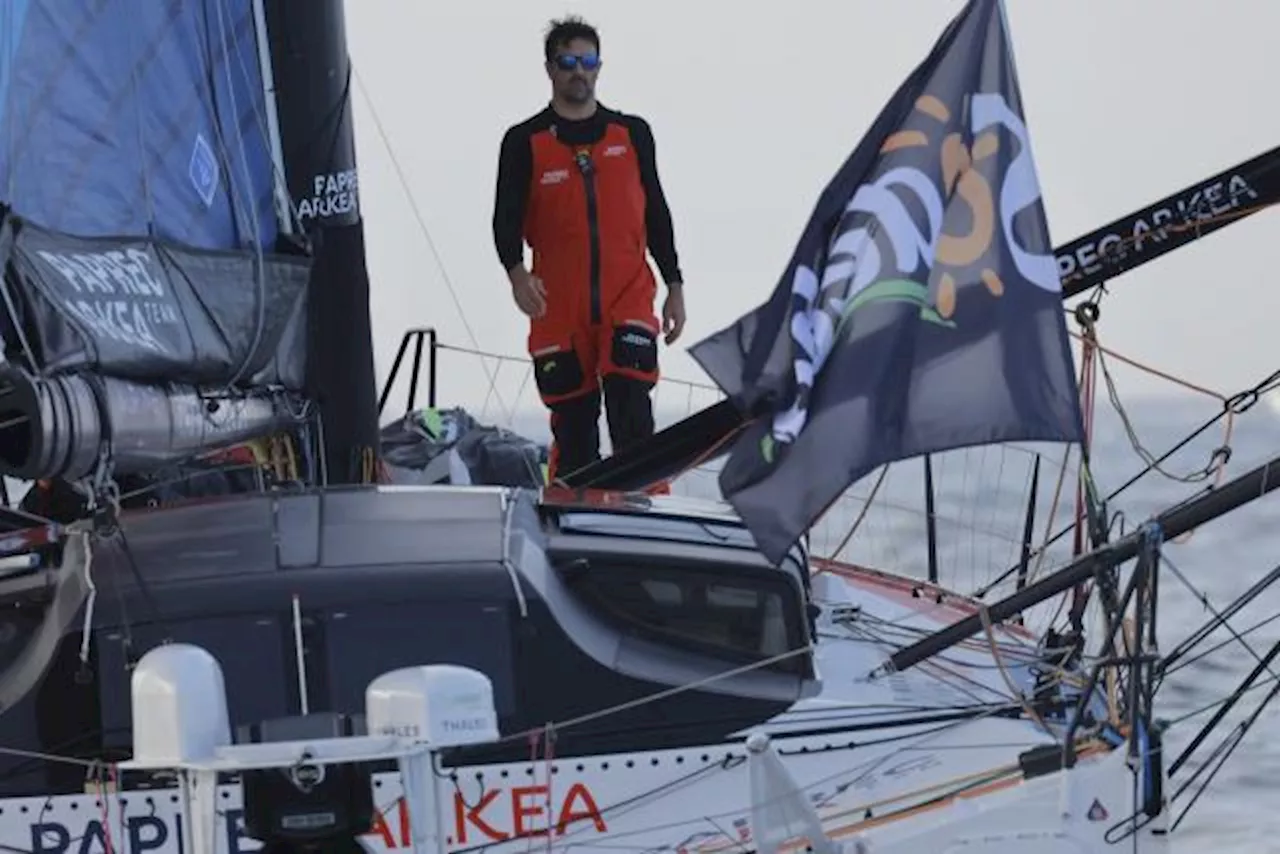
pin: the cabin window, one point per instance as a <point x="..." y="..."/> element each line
<point x="365" y="641"/>
<point x="726" y="613"/>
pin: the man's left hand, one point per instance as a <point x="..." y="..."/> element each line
<point x="673" y="313"/>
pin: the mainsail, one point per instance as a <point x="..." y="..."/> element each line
<point x="179" y="237"/>
<point x="156" y="300"/>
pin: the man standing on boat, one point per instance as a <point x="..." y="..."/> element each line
<point x="579" y="182"/>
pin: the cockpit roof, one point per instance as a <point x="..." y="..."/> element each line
<point x="708" y="510"/>
<point x="652" y="517"/>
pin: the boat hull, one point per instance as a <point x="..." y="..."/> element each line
<point x="923" y="793"/>
<point x="899" y="758"/>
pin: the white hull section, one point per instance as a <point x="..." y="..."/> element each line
<point x="938" y="797"/>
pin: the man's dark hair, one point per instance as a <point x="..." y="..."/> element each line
<point x="560" y="33"/>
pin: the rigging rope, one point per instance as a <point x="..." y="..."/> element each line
<point x="857" y="521"/>
<point x="1217" y="463"/>
<point x="1207" y="707"/>
<point x="1004" y="671"/>
<point x="431" y="244"/>
<point x="1224" y="621"/>
<point x="1236" y="404"/>
<point x="1211" y="650"/>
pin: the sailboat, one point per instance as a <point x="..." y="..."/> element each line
<point x="189" y="369"/>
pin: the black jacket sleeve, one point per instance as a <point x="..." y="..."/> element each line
<point x="515" y="165"/>
<point x="662" y="240"/>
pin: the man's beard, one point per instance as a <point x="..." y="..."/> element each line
<point x="577" y="91"/>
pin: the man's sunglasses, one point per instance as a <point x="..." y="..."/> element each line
<point x="570" y="61"/>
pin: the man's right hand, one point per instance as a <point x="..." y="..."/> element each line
<point x="529" y="292"/>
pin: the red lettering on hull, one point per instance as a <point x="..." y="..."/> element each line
<point x="382" y="829"/>
<point x="528" y="810"/>
<point x="497" y="815"/>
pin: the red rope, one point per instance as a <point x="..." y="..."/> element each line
<point x="104" y="792"/>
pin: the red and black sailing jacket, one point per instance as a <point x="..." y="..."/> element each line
<point x="585" y="195"/>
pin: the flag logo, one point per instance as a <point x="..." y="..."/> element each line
<point x="894" y="242"/>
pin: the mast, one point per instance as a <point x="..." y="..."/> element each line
<point x="312" y="75"/>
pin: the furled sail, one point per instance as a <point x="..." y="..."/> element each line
<point x="150" y="309"/>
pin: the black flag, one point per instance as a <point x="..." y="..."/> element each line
<point x="921" y="310"/>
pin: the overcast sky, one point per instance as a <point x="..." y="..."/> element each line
<point x="755" y="105"/>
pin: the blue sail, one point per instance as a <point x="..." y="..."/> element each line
<point x="145" y="291"/>
<point x="137" y="118"/>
